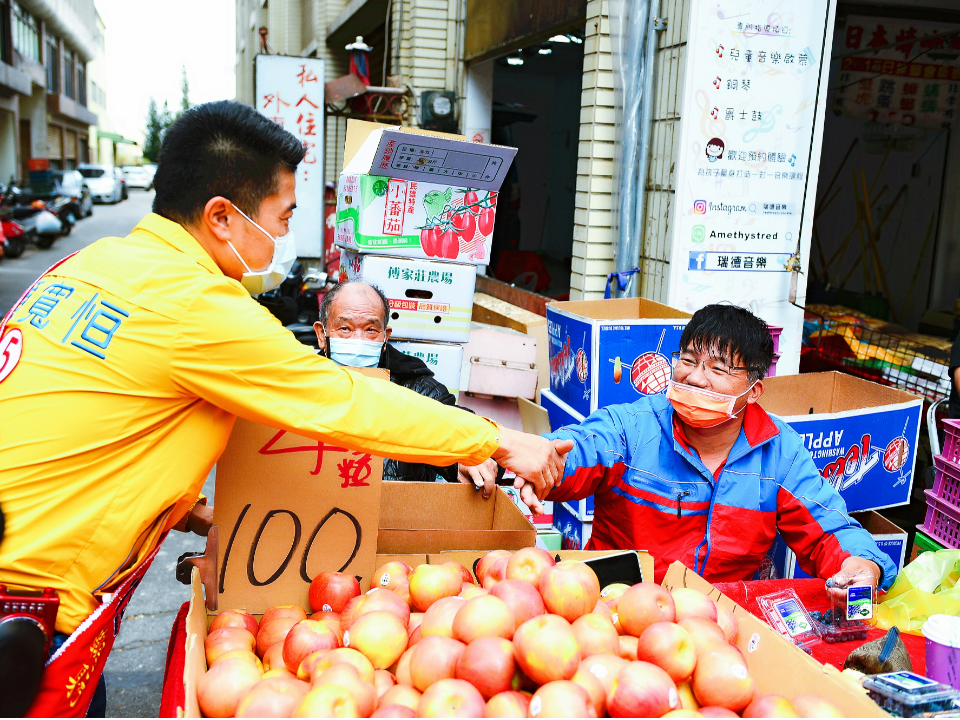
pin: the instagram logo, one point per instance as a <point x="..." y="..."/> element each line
<point x="699" y="207"/>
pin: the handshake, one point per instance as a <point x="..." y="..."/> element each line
<point x="537" y="462"/>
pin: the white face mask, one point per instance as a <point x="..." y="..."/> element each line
<point x="354" y="352"/>
<point x="284" y="255"/>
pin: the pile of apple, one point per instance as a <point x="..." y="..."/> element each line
<point x="535" y="638"/>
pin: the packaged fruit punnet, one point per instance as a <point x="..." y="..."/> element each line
<point x="787" y="615"/>
<point x="906" y="694"/>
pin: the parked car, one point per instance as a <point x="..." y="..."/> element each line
<point x="123" y="182"/>
<point x="137" y="177"/>
<point x="103" y="182"/>
<point x="151" y="170"/>
<point x="71" y="184"/>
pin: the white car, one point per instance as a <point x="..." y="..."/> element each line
<point x="103" y="182"/>
<point x="137" y="177"/>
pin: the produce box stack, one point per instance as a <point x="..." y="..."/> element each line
<point x="415" y="216"/>
<point x="942" y="523"/>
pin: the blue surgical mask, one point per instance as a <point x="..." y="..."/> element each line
<point x="354" y="352"/>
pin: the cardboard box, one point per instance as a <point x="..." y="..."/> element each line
<point x="575" y="532"/>
<point x="397" y="184"/>
<point x="429" y="300"/>
<point x="494" y="311"/>
<point x="776" y="664"/>
<point x="444" y="359"/>
<point x="499" y="362"/>
<point x="604" y="352"/>
<point x="862" y="436"/>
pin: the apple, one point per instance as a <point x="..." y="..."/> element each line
<point x="273" y="658"/>
<point x="394" y="711"/>
<point x="470" y="591"/>
<point x="307" y="636"/>
<point x="669" y="647"/>
<point x="439" y="617"/>
<point x="604" y="667"/>
<point x="706" y="634"/>
<point x="641" y="689"/>
<point x="465" y="574"/>
<point x="402" y="668"/>
<point x="280" y="672"/>
<point x="332" y="621"/>
<point x="613" y="591"/>
<point x="226" y="639"/>
<point x="429" y="583"/>
<point x="495" y="573"/>
<point x="415" y="636"/>
<point x="272" y="697"/>
<point x="728" y="623"/>
<point x="330" y="591"/>
<point x="346" y="676"/>
<point x="528" y="564"/>
<point x="681" y="713"/>
<point x="510" y="704"/>
<point x="451" y="698"/>
<point x="380" y="600"/>
<point x="596" y="634"/>
<point x="383" y="680"/>
<point x="628" y="647"/>
<point x="414" y="622"/>
<point x="642" y="605"/>
<point x="314" y="664"/>
<point x="487" y="561"/>
<point x="238" y="654"/>
<point x="403" y="592"/>
<point x="563" y="699"/>
<point x="391" y="575"/>
<point x="688" y="701"/>
<point x="328" y="701"/>
<point x="815" y="706"/>
<point x="569" y="589"/>
<point x="283" y="611"/>
<point x="721" y="678"/>
<point x="594" y="689"/>
<point x="601" y="608"/>
<point x="380" y="636"/>
<point x="488" y="664"/>
<point x="693" y="603"/>
<point x="716" y="712"/>
<point x="434" y="658"/>
<point x="522" y="598"/>
<point x="235" y="618"/>
<point x="273" y="632"/>
<point x="770" y="706"/>
<point x="485" y="616"/>
<point x="224" y="685"/>
<point x="401" y="695"/>
<point x="546" y="649"/>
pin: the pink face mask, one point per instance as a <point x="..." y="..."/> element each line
<point x="701" y="408"/>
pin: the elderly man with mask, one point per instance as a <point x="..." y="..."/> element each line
<point x="353" y="330"/>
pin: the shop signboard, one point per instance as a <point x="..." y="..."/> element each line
<point x="753" y="105"/>
<point x="911" y="77"/>
<point x="289" y="91"/>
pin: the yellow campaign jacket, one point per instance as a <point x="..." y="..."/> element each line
<point x="137" y="356"/>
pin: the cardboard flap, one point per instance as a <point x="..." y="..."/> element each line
<point x="195" y="660"/>
<point x="794" y="396"/>
<point x="359" y="130"/>
<point x="535" y="418"/>
<point x="620" y="309"/>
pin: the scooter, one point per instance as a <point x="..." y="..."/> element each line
<point x="14" y="239"/>
<point x="38" y="218"/>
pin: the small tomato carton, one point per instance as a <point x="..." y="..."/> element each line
<point x="778" y="666"/>
<point x="444" y="359"/>
<point x="429" y="300"/>
<point x="604" y="352"/>
<point x="419" y="195"/>
<point x="862" y="436"/>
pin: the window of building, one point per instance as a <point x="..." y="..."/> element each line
<point x="81" y="82"/>
<point x="5" y="54"/>
<point x="26" y="35"/>
<point x="53" y="64"/>
<point x="69" y="88"/>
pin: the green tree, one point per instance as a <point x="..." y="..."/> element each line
<point x="155" y="130"/>
<point x="184" y="90"/>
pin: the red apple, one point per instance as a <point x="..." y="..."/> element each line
<point x="594" y="689"/>
<point x="415" y="636"/>
<point x="688" y="701"/>
<point x="604" y="667"/>
<point x="484" y="616"/>
<point x="346" y="676"/>
<point x="628" y="647"/>
<point x="669" y="647"/>
<point x="238" y="654"/>
<point x="522" y="598"/>
<point x="570" y="589"/>
<point x="561" y="699"/>
<point x="546" y="649"/>
<point x="642" y="690"/>
<point x="328" y="701"/>
<point x="235" y="618"/>
<point x="273" y="658"/>
<point x="429" y="583"/>
<point x="434" y="658"/>
<point x="705" y="633"/>
<point x="601" y="608"/>
<point x="728" y="623"/>
<point x="380" y="600"/>
<point x="394" y="711"/>
<point x="451" y="698"/>
<point x="307" y="636"/>
<point x="272" y="697"/>
<point x="226" y="639"/>
<point x="383" y="680"/>
<point x="273" y="632"/>
<point x="497" y="572"/>
<point x="223" y="686"/>
<point x="391" y="575"/>
<point x="439" y="617"/>
<point x="613" y="591"/>
<point x="487" y="561"/>
<point x="721" y="678"/>
<point x="465" y="574"/>
<point x="718" y="712"/>
<point x="401" y="695"/>
<point x="349" y="610"/>
<point x="488" y="664"/>
<point x="693" y="603"/>
<point x="528" y="564"/>
<point x="313" y="665"/>
<point x="510" y="704"/>
<point x="380" y="636"/>
<point x="642" y="605"/>
<point x="815" y="706"/>
<point x="283" y="611"/>
<point x="596" y="634"/>
<point x="330" y="591"/>
<point x="770" y="706"/>
<point x="402" y="668"/>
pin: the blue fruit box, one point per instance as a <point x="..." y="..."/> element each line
<point x="562" y="414"/>
<point x="574" y="532"/>
<point x="604" y="352"/>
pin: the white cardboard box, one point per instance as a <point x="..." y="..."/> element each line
<point x="444" y="359"/>
<point x="429" y="300"/>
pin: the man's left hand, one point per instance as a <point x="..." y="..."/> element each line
<point x="200" y="519"/>
<point x="854" y="571"/>
<point x="482" y="476"/>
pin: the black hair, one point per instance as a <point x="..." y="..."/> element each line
<point x="221" y="148"/>
<point x="328" y="299"/>
<point x="732" y="334"/>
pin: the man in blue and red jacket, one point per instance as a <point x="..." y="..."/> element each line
<point x="705" y="476"/>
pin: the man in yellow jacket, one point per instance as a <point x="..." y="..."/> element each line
<point x="123" y="369"/>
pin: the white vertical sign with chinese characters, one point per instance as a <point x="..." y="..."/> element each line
<point x="753" y="104"/>
<point x="289" y="90"/>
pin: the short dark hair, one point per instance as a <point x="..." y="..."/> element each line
<point x="731" y="332"/>
<point x="221" y="148"/>
<point x="328" y="299"/>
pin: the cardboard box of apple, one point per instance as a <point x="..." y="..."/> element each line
<point x="535" y="638"/>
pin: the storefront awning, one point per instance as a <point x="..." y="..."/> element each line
<point x="117" y="138"/>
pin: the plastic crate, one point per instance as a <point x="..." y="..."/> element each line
<point x="951" y="443"/>
<point x="947" y="485"/>
<point x="942" y="522"/>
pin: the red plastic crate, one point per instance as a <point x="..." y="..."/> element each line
<point x="951" y="443"/>
<point x="942" y="522"/>
<point x="947" y="485"/>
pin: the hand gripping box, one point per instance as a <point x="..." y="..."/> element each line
<point x="418" y="195"/>
<point x="429" y="300"/>
<point x="604" y="352"/>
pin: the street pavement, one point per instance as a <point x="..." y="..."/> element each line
<point x="134" y="671"/>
